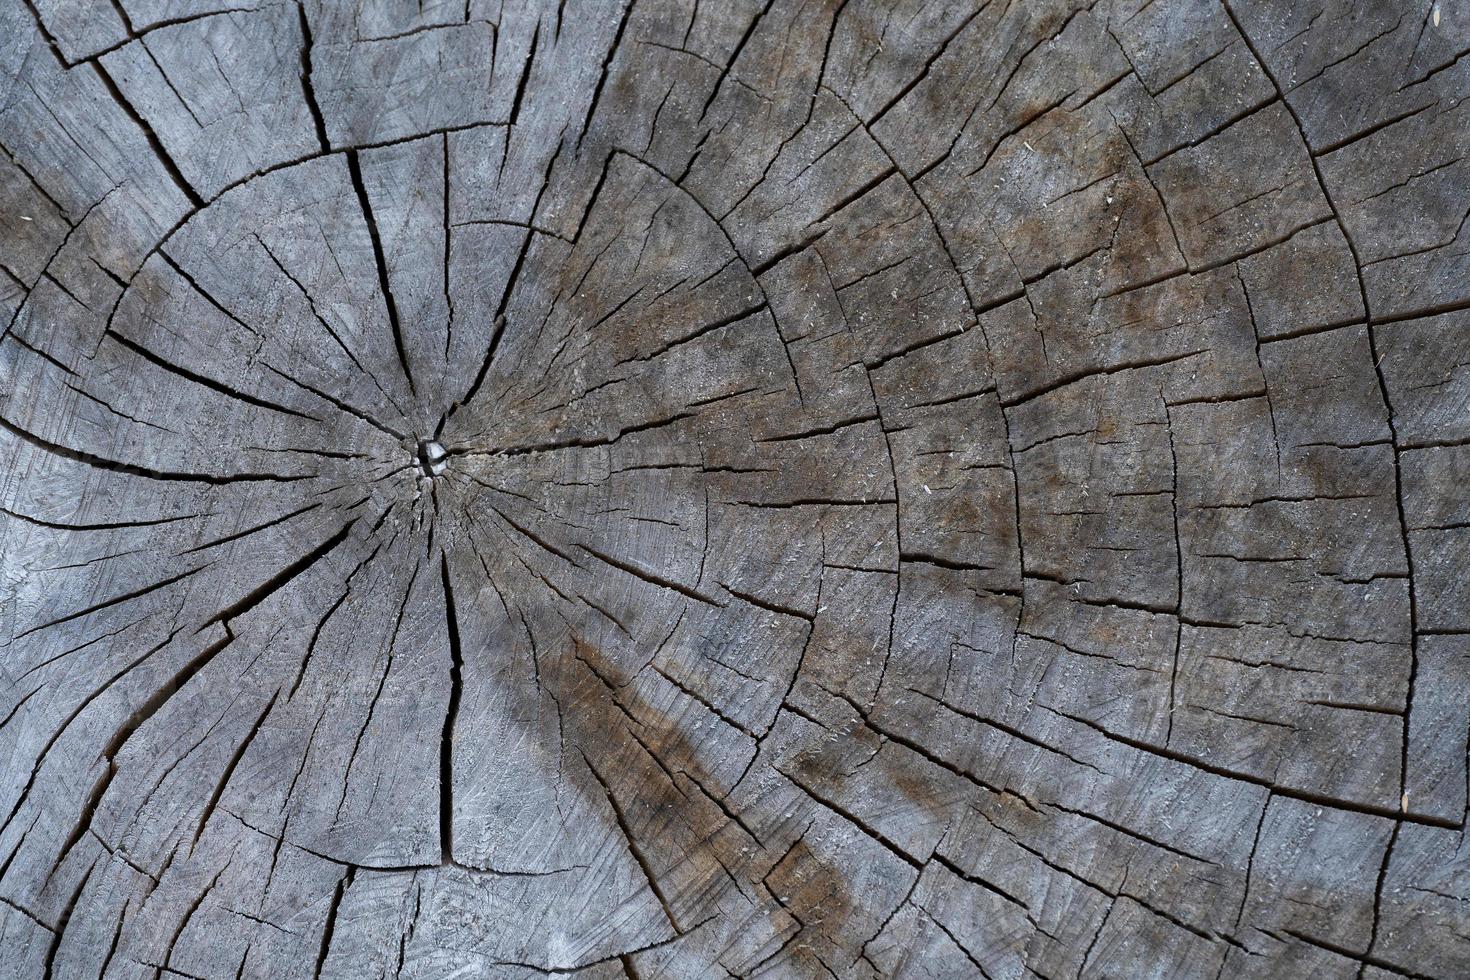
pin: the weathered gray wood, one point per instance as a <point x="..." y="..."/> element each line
<point x="755" y="488"/>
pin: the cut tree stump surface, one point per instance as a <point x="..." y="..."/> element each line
<point x="784" y="489"/>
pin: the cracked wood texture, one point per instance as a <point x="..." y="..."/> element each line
<point x="735" y="488"/>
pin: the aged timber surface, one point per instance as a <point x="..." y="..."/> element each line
<point x="734" y="488"/>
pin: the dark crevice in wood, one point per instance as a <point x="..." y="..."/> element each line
<point x="354" y="170"/>
<point x="451" y="714"/>
<point x="307" y="91"/>
<point x="167" y="162"/>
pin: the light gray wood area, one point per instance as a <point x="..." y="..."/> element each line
<point x="670" y="489"/>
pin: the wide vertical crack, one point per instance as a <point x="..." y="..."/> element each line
<point x="451" y="715"/>
<point x="354" y="169"/>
